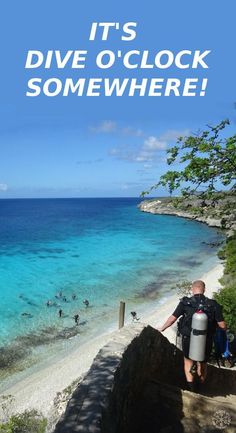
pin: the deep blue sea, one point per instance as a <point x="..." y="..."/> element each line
<point x="103" y="250"/>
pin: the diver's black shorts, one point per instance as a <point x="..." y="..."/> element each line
<point x="186" y="342"/>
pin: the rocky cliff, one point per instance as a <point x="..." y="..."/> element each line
<point x="218" y="212"/>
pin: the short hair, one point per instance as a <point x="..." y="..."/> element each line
<point x="198" y="284"/>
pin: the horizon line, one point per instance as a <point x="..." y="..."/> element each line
<point x="77" y="198"/>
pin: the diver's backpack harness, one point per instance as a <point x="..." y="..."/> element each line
<point x="185" y="326"/>
<point x="197" y="323"/>
<point x="191" y="305"/>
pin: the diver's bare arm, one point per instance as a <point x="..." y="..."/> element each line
<point x="172" y="319"/>
<point x="222" y="325"/>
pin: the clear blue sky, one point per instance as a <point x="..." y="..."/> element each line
<point x="94" y="147"/>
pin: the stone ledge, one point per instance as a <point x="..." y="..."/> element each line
<point x="136" y="384"/>
<point x="84" y="410"/>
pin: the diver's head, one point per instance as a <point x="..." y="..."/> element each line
<point x="198" y="287"/>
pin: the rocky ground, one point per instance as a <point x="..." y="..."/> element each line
<point x="218" y="212"/>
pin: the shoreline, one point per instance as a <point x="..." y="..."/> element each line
<point x="151" y="295"/>
<point x="223" y="221"/>
<point x="39" y="389"/>
<point x="154" y="207"/>
<point x="189" y="209"/>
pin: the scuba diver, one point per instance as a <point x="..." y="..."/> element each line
<point x="134" y="316"/>
<point x="27" y="315"/>
<point x="200" y="318"/>
<point x="86" y="303"/>
<point x="76" y="319"/>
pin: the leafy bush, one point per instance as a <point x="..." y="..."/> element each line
<point x="227" y="298"/>
<point x="29" y="421"/>
<point x="227" y="295"/>
<point x="204" y="160"/>
<point x="222" y="253"/>
<point x="230" y="266"/>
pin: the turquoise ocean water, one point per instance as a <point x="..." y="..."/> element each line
<point x="103" y="250"/>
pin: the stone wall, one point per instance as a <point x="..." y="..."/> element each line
<point x="136" y="385"/>
<point x="150" y="361"/>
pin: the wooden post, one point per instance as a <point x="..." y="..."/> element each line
<point x="121" y="314"/>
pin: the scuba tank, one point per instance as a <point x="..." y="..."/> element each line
<point x="198" y="335"/>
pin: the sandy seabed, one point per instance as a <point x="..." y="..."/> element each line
<point x="38" y="390"/>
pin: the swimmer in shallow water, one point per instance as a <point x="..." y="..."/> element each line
<point x="60" y="312"/>
<point x="76" y="318"/>
<point x="86" y="302"/>
<point x="26" y="315"/>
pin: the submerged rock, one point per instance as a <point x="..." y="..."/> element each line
<point x="13" y="355"/>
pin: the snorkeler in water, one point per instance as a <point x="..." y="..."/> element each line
<point x="27" y="315"/>
<point x="86" y="302"/>
<point x="76" y="318"/>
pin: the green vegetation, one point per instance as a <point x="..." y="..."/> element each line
<point x="227" y="295"/>
<point x="29" y="421"/>
<point x="206" y="160"/>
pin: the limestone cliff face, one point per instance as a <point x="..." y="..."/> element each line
<point x="216" y="213"/>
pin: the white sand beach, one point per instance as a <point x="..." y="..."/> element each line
<point x="39" y="389"/>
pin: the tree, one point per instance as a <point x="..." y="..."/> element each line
<point x="206" y="160"/>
